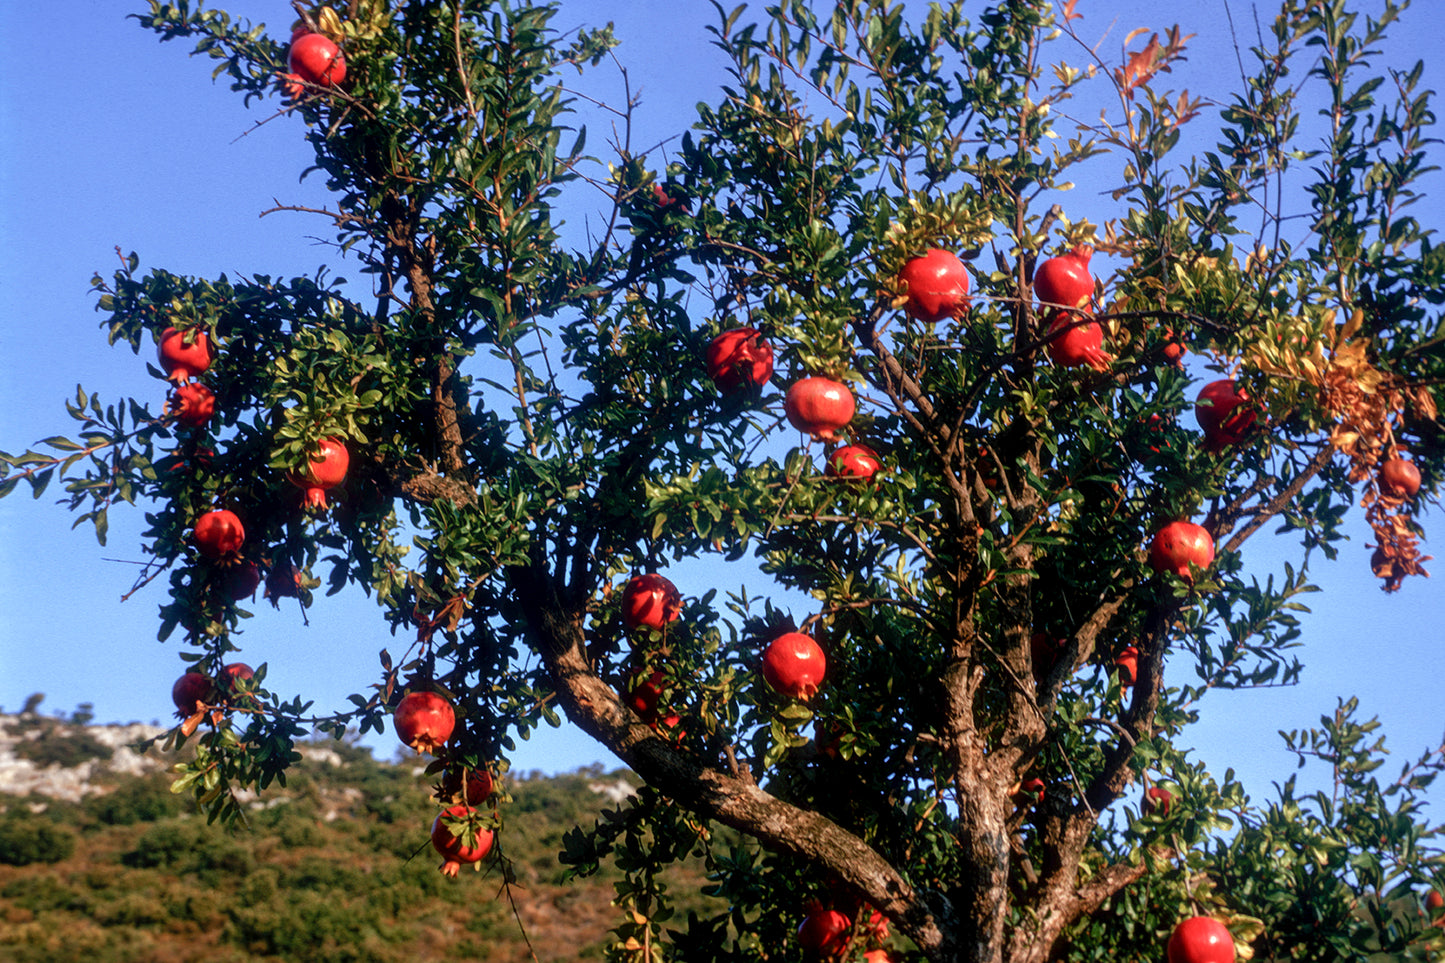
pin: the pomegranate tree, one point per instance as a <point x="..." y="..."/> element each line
<point x="738" y="359"/>
<point x="937" y="286"/>
<point x="1065" y="281"/>
<point x="650" y="601"/>
<point x="793" y="664"/>
<point x="820" y="407"/>
<point x="184" y="354"/>
<point x="424" y="720"/>
<point x="458" y="838"/>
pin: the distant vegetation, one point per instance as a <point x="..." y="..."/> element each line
<point x="334" y="868"/>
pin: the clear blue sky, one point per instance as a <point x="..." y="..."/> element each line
<point x="109" y="138"/>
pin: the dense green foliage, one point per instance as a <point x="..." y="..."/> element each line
<point x="1010" y="657"/>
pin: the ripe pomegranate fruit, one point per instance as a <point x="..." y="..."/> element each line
<point x="189" y="691"/>
<point x="242" y="580"/>
<point x="650" y="601"/>
<point x="424" y="720"/>
<point x="219" y="533"/>
<point x="193" y="404"/>
<point x="645" y="694"/>
<point x="184" y="355"/>
<point x="1201" y="939"/>
<point x="1079" y="345"/>
<point x="1030" y="792"/>
<point x="1128" y="665"/>
<point x="232" y="676"/>
<point x="825" y="932"/>
<point x="1224" y="413"/>
<point x="937" y="285"/>
<point x="316" y="60"/>
<point x="665" y="200"/>
<point x="1158" y="800"/>
<point x="740" y="358"/>
<point x="1179" y="544"/>
<point x="821" y="407"/>
<point x="324" y="472"/>
<point x="1434" y="901"/>
<point x="854" y="461"/>
<point x="1399" y="478"/>
<point x="282" y="582"/>
<point x="794" y="665"/>
<point x="1065" y="280"/>
<point x="453" y="848"/>
<point x="467" y="785"/>
<point x="1173" y="350"/>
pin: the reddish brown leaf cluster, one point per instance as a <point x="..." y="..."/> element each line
<point x="1155" y="58"/>
<point x="1366" y="404"/>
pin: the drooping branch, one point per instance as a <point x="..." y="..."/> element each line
<point x="730" y="799"/>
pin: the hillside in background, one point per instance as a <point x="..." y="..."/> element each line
<point x="100" y="863"/>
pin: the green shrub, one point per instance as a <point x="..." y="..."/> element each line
<point x="26" y="839"/>
<point x="146" y="800"/>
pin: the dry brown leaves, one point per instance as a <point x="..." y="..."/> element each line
<point x="1367" y="404"/>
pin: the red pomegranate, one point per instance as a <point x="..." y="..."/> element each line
<point x="821" y="407"/>
<point x="467" y="785"/>
<point x="740" y="358"/>
<point x="1399" y="478"/>
<point x="232" y="677"/>
<point x="1201" y="939"/>
<point x="219" y="533"/>
<point x="184" y="355"/>
<point x="324" y="472"/>
<point x="242" y="580"/>
<point x="1224" y="413"/>
<point x="650" y="601"/>
<point x="645" y="694"/>
<point x="1065" y="281"/>
<point x="854" y="461"/>
<point x="825" y="932"/>
<point x="282" y="582"/>
<point x="937" y="286"/>
<point x="793" y="664"/>
<point x="1173" y="350"/>
<point x="316" y="60"/>
<point x="1179" y="544"/>
<point x="1128" y="665"/>
<point x="1029" y="792"/>
<point x="424" y="720"/>
<point x="452" y="847"/>
<point x="1081" y="344"/>
<point x="1158" y="801"/>
<point x="189" y="691"/>
<point x="193" y="404"/>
